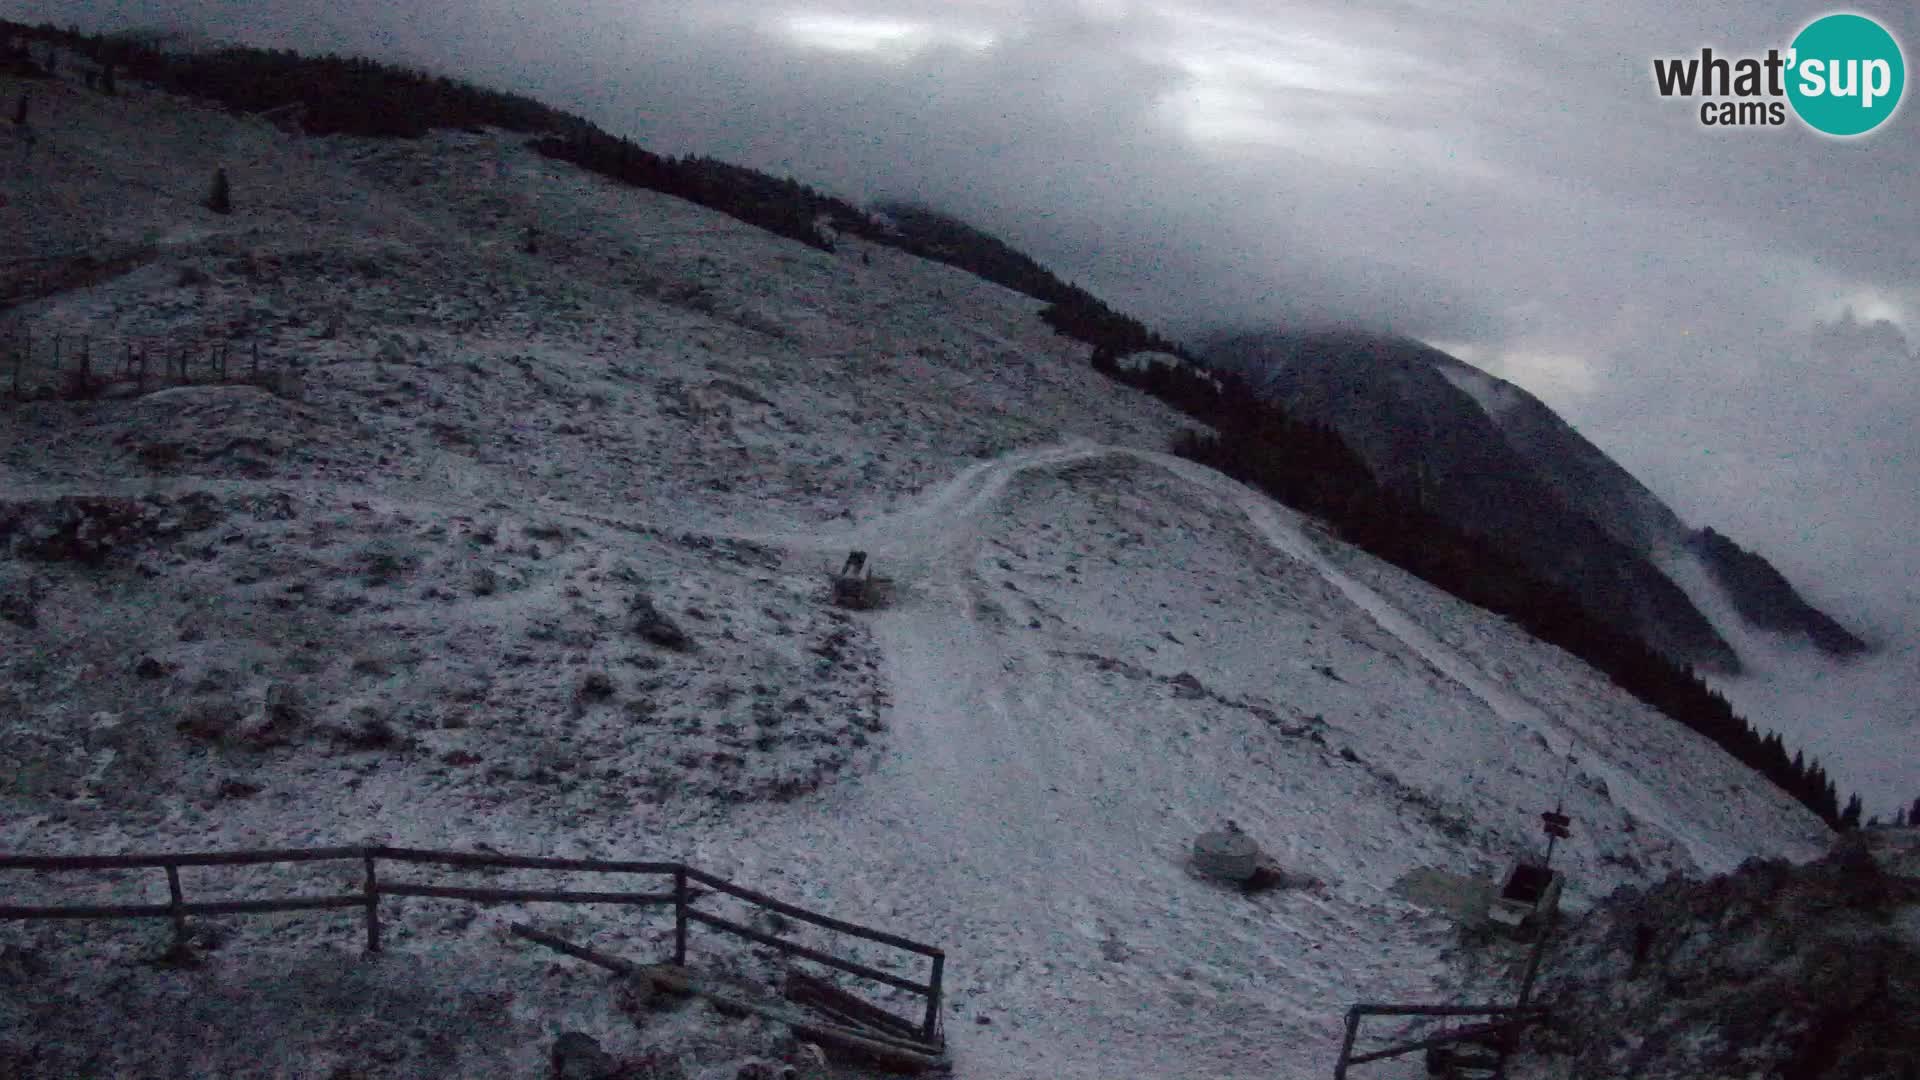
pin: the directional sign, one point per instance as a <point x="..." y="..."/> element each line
<point x="1556" y="824"/>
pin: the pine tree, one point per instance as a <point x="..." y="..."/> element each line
<point x="20" y="112"/>
<point x="220" y="200"/>
<point x="106" y="81"/>
<point x="1850" y="817"/>
<point x="1913" y="815"/>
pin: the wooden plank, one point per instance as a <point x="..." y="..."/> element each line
<point x="1376" y="1009"/>
<point x="163" y="911"/>
<point x="371" y="898"/>
<point x="815" y="955"/>
<point x="591" y="956"/>
<point x="88" y="911"/>
<point x="257" y="907"/>
<point x="815" y="992"/>
<point x="1460" y="1035"/>
<point x="179" y="901"/>
<point x="508" y="896"/>
<point x="895" y="1052"/>
<point x="930" y="1029"/>
<point x="680" y="900"/>
<point x="888" y="1052"/>
<point x="210" y="858"/>
<point x="481" y="858"/>
<point x="765" y="901"/>
<point x="1346" y="1046"/>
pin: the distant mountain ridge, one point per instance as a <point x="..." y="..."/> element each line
<point x="1492" y="459"/>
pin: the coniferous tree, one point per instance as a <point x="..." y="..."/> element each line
<point x="1913" y="815"/>
<point x="1850" y="817"/>
<point x="220" y="199"/>
<point x="106" y="81"/>
<point x="20" y="112"/>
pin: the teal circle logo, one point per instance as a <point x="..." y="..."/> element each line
<point x="1846" y="74"/>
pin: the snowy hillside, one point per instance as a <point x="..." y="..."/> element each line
<point x="405" y="603"/>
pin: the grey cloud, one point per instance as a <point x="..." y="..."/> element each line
<point x="1493" y="174"/>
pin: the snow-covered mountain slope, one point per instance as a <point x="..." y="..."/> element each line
<point x="404" y="606"/>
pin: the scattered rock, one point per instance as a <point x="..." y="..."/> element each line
<point x="577" y="1056"/>
<point x="282" y="715"/>
<point x="149" y="668"/>
<point x="597" y="686"/>
<point x="213" y="718"/>
<point x="1186" y="686"/>
<point x="655" y="626"/>
<point x="19" y="966"/>
<point x="19" y="597"/>
<point x="231" y="788"/>
<point x="370" y="729"/>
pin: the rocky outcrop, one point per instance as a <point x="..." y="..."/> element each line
<point x="1796" y="972"/>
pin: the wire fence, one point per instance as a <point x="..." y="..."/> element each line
<point x="63" y="367"/>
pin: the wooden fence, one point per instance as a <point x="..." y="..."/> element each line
<point x="1504" y="1020"/>
<point x="84" y="366"/>
<point x="374" y="886"/>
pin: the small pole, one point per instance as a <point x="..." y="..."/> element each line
<point x="1533" y="961"/>
<point x="933" y="999"/>
<point x="373" y="908"/>
<point x="86" y="363"/>
<point x="178" y="901"/>
<point x="140" y="385"/>
<point x="256" y="359"/>
<point x="20" y="357"/>
<point x="680" y="916"/>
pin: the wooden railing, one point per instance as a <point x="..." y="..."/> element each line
<point x="1513" y="1016"/>
<point x="373" y="887"/>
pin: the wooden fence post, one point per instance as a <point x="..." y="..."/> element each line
<point x="86" y="364"/>
<point x="373" y="908"/>
<point x="933" y="1000"/>
<point x="1346" y="1047"/>
<point x="680" y="917"/>
<point x="178" y="901"/>
<point x="20" y="358"/>
<point x="256" y="359"/>
<point x="140" y="384"/>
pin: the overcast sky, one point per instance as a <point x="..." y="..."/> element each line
<point x="1497" y="177"/>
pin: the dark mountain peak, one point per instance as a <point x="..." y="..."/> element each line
<point x="1494" y="459"/>
<point x="1431" y="430"/>
<point x="1765" y="598"/>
